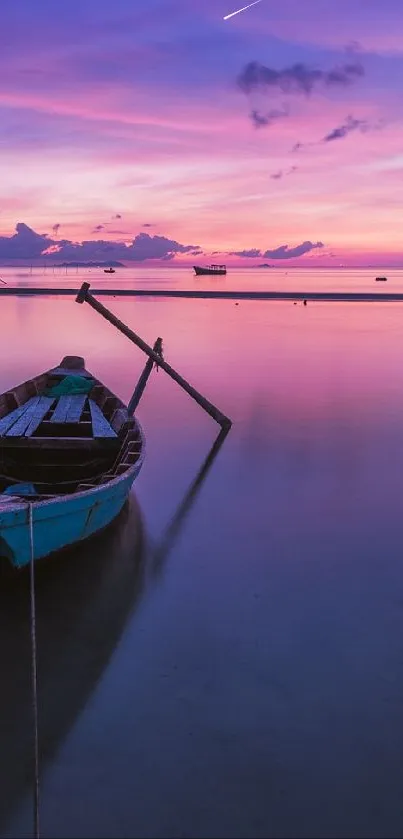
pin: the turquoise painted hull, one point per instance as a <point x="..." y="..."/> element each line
<point x="63" y="520"/>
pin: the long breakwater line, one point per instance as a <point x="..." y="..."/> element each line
<point x="319" y="296"/>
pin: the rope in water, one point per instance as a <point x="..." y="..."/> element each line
<point x="34" y="676"/>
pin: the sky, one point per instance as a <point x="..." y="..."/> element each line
<point x="157" y="132"/>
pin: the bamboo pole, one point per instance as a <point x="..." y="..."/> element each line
<point x="140" y="386"/>
<point x="84" y="295"/>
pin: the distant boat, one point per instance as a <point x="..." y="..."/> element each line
<point x="109" y="271"/>
<point x="381" y="279"/>
<point x="210" y="269"/>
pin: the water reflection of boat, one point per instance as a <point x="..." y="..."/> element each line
<point x="83" y="602"/>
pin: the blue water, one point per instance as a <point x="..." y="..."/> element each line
<point x="240" y="673"/>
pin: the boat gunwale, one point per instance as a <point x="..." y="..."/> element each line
<point x="93" y="490"/>
<point x="113" y="480"/>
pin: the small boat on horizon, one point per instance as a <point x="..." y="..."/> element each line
<point x="210" y="269"/>
<point x="69" y="454"/>
<point x="381" y="279"/>
<point x="109" y="270"/>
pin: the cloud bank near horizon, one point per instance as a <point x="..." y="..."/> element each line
<point x="25" y="243"/>
<point x="282" y="252"/>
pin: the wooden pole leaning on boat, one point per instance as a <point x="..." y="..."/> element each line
<point x="140" y="386"/>
<point x="84" y="295"/>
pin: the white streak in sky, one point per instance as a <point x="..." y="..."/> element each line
<point x="227" y="17"/>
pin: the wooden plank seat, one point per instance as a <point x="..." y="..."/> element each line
<point x="26" y="419"/>
<point x="69" y="408"/>
<point x="100" y="425"/>
<point x="9" y="420"/>
<point x="28" y="422"/>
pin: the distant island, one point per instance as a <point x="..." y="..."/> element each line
<point x="111" y="264"/>
<point x="264" y="265"/>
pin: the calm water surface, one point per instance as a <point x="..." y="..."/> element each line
<point x="277" y="278"/>
<point x="239" y="672"/>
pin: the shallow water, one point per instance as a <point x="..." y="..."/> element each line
<point x="254" y="687"/>
<point x="276" y="278"/>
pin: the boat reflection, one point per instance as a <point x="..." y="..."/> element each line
<point x="83" y="600"/>
<point x="160" y="553"/>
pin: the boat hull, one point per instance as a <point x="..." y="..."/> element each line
<point x="63" y="520"/>
<point x="203" y="271"/>
<point x="80" y="480"/>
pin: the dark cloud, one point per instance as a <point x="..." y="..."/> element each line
<point x="353" y="47"/>
<point x="276" y="176"/>
<point x="250" y="253"/>
<point x="297" y="79"/>
<point x="349" y="125"/>
<point x="156" y="247"/>
<point x="98" y="228"/>
<point x="27" y="244"/>
<point x="117" y="216"/>
<point x="24" y="244"/>
<point x="148" y="225"/>
<point x="285" y="252"/>
<point x="262" y="120"/>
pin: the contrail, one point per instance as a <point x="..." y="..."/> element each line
<point x="227" y="17"/>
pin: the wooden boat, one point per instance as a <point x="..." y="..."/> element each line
<point x="381" y="279"/>
<point x="109" y="270"/>
<point x="79" y="452"/>
<point x="210" y="269"/>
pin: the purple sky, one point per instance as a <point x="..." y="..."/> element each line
<point x="276" y="133"/>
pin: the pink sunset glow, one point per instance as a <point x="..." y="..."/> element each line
<point x="173" y="134"/>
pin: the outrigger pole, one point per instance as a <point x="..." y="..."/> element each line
<point x="85" y="296"/>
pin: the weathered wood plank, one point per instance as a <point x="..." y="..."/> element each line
<point x="62" y="406"/>
<point x="88" y="445"/>
<point x="31" y="418"/>
<point x="119" y="418"/>
<point x="76" y="407"/>
<point x="8" y="421"/>
<point x="100" y="425"/>
<point x="69" y="408"/>
<point x="43" y="406"/>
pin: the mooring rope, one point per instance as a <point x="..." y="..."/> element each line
<point x="34" y="675"/>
